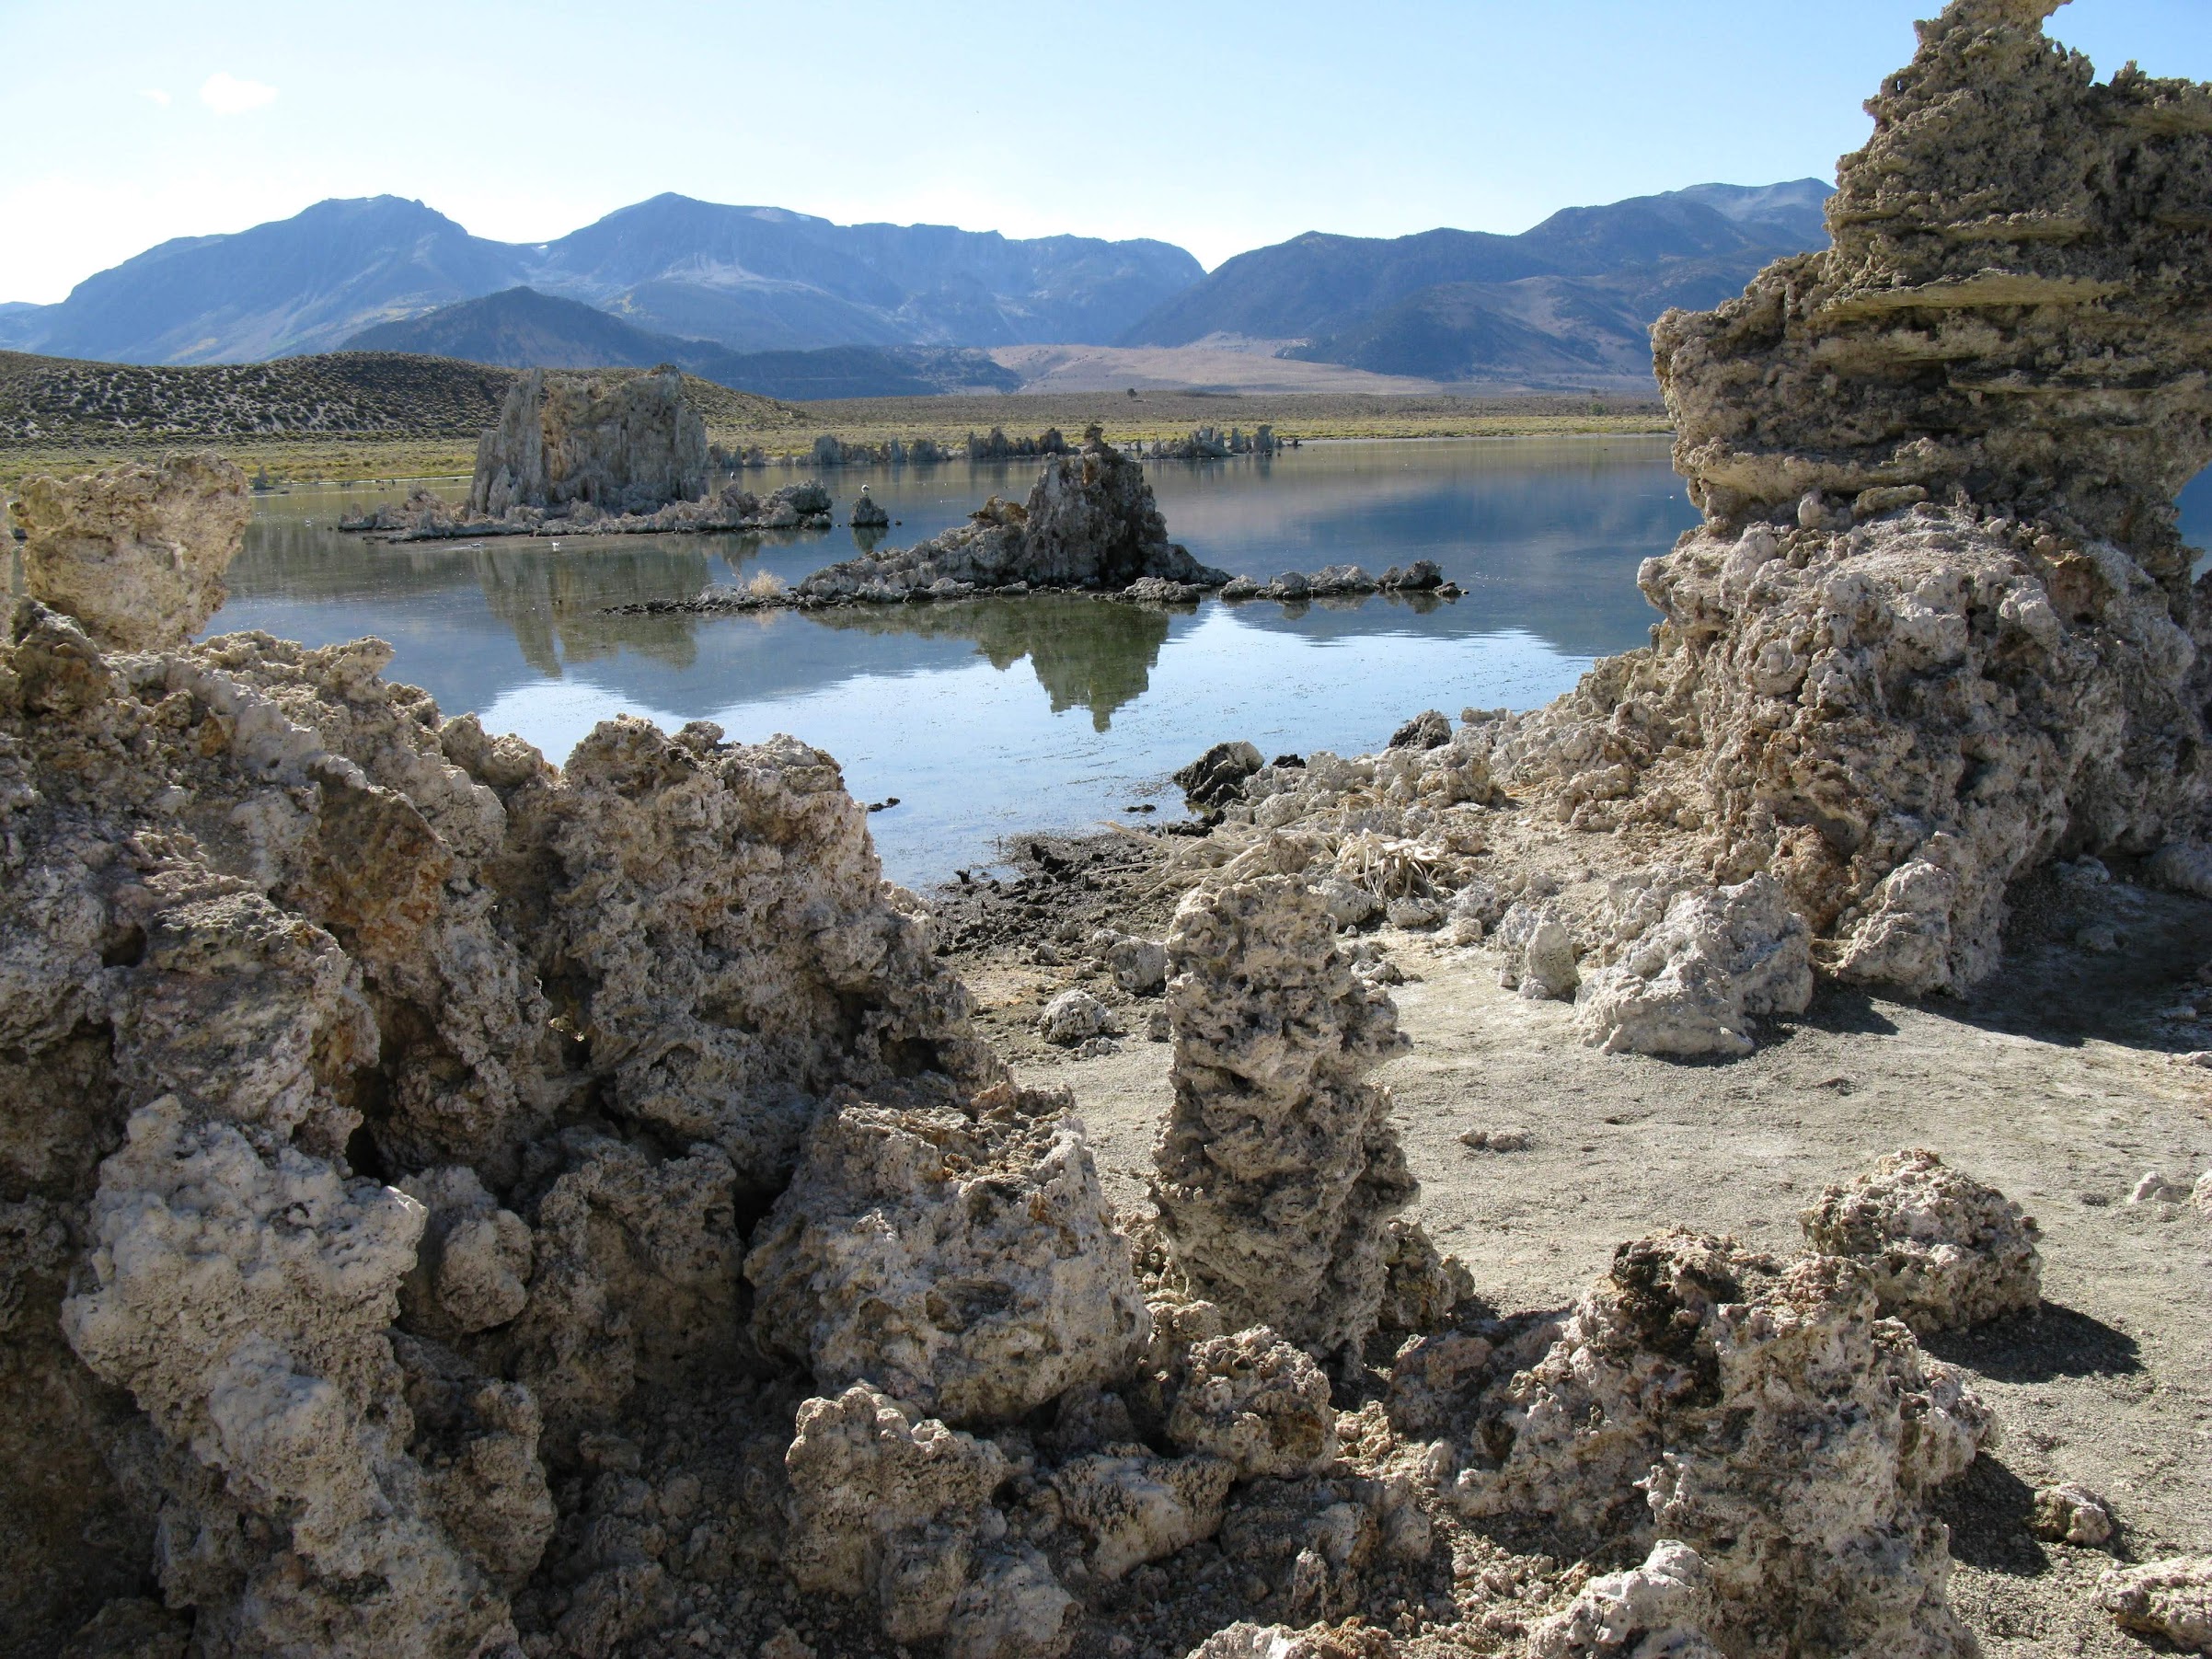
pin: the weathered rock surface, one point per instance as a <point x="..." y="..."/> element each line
<point x="1692" y="984"/>
<point x="1767" y="1417"/>
<point x="1942" y="1250"/>
<point x="890" y="1504"/>
<point x="2069" y="1513"/>
<point x="2172" y="1599"/>
<point x="1072" y="1017"/>
<point x="1138" y="965"/>
<point x="964" y="1258"/>
<point x="868" y="513"/>
<point x="1654" y="1611"/>
<point x="1278" y="1169"/>
<point x="1089" y="522"/>
<point x="271" y="923"/>
<point x="1258" y="1404"/>
<point x="1938" y="628"/>
<point x="137" y="553"/>
<point x="629" y="446"/>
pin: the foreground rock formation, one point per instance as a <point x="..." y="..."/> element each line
<point x="1278" y="1169"/>
<point x="1938" y="628"/>
<point x="137" y="554"/>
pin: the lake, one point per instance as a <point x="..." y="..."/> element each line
<point x="993" y="716"/>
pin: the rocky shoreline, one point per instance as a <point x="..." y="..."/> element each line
<point x="456" y="1205"/>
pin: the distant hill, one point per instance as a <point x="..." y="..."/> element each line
<point x="746" y="277"/>
<point x="1567" y="303"/>
<point x="55" y="401"/>
<point x="521" y="329"/>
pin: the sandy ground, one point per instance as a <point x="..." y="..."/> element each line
<point x="2058" y="1082"/>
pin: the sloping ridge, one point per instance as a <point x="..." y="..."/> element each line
<point x="1570" y="298"/>
<point x="520" y="328"/>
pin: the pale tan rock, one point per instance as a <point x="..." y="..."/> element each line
<point x="472" y="1269"/>
<point x="1654" y="1611"/>
<point x="1422" y="1285"/>
<point x="1256" y="1402"/>
<point x="1766" y="1417"/>
<point x="2172" y="1599"/>
<point x="965" y="1258"/>
<point x="1137" y="1507"/>
<point x="137" y="553"/>
<point x="1090" y="522"/>
<point x="1278" y="1169"/>
<point x="1942" y="1251"/>
<point x="307" y="922"/>
<point x="622" y="445"/>
<point x="1693" y="982"/>
<point x="1938" y="629"/>
<point x="891" y="1504"/>
<point x="2069" y="1513"/>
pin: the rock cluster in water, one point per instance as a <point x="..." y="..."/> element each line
<point x="1090" y="523"/>
<point x="632" y="446"/>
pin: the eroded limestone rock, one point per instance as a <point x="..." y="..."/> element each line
<point x="1089" y="522"/>
<point x="1654" y="1611"/>
<point x="1278" y="1168"/>
<point x="2172" y="1599"/>
<point x="1258" y="1404"/>
<point x="1942" y="1250"/>
<point x="1692" y="984"/>
<point x="1766" y="1416"/>
<point x="890" y="1504"/>
<point x="2069" y="1514"/>
<point x="1938" y="628"/>
<point x="623" y="445"/>
<point x="964" y="1258"/>
<point x="136" y="553"/>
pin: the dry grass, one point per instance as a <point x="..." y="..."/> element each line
<point x="362" y="415"/>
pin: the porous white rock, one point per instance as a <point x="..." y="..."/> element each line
<point x="1692" y="984"/>
<point x="472" y="1269"/>
<point x="2185" y="866"/>
<point x="1136" y="1507"/>
<point x="1074" y="1016"/>
<point x="1654" y="1611"/>
<point x="2069" y="1514"/>
<point x="889" y="1503"/>
<point x="1942" y="1251"/>
<point x="1257" y="1402"/>
<point x="1278" y="1168"/>
<point x="965" y="1258"/>
<point x="136" y="553"/>
<point x="1138" y="965"/>
<point x="1766" y="1416"/>
<point x="2170" y="1599"/>
<point x="1537" y="952"/>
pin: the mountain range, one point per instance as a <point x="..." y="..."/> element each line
<point x="520" y="328"/>
<point x="747" y="278"/>
<point x="1571" y="300"/>
<point x="782" y="302"/>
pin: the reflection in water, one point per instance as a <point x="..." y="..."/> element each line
<point x="918" y="701"/>
<point x="1087" y="653"/>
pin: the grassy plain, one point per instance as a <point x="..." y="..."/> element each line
<point x="360" y="415"/>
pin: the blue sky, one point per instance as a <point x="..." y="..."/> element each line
<point x="1221" y="125"/>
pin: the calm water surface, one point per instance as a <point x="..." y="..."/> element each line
<point x="994" y="716"/>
